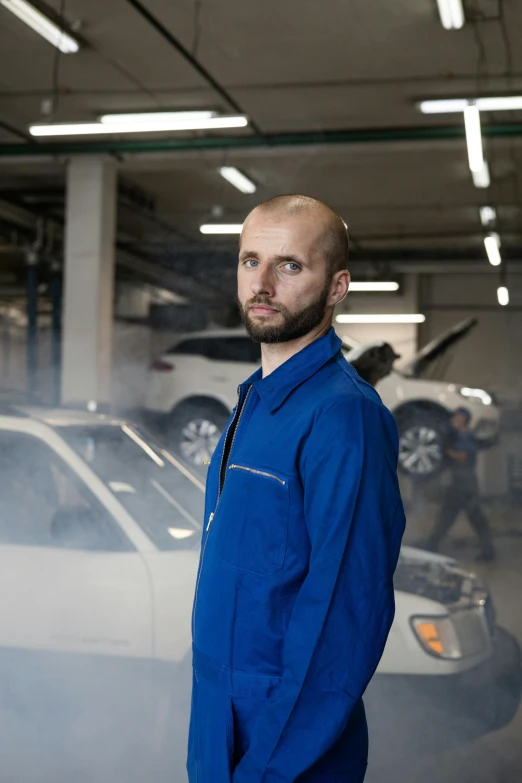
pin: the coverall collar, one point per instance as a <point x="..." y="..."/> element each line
<point x="276" y="387"/>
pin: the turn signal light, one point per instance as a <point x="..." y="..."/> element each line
<point x="437" y="636"/>
<point x="159" y="366"/>
<point x="429" y="635"/>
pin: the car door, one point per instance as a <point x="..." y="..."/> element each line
<point x="70" y="581"/>
<point x="233" y="360"/>
<point x="78" y="686"/>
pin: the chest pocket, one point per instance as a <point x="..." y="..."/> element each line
<point x="251" y="528"/>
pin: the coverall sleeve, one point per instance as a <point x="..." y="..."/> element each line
<point x="345" y="607"/>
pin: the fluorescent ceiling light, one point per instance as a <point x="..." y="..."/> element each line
<point x="492" y="245"/>
<point x="140" y="126"/>
<point x="451" y="14"/>
<point x="503" y="103"/>
<point x="503" y="295"/>
<point x="221" y="228"/>
<point x="373" y="286"/>
<point x="42" y="25"/>
<point x="473" y="138"/>
<point x="158" y="116"/>
<point x="488" y="215"/>
<point x="392" y="318"/>
<point x="457" y="105"/>
<point x="482" y="179"/>
<point x="445" y="106"/>
<point x="237" y="179"/>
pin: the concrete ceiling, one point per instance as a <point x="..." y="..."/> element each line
<point x="293" y="67"/>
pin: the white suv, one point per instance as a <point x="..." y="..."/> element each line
<point x="195" y="385"/>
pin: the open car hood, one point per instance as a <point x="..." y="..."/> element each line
<point x="373" y="361"/>
<point x="438" y="347"/>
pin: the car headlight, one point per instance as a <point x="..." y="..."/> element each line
<point x="476" y="394"/>
<point x="437" y="636"/>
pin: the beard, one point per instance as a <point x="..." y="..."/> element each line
<point x="293" y="324"/>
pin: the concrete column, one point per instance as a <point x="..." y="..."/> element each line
<point x="89" y="281"/>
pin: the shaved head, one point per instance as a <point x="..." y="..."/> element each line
<point x="333" y="241"/>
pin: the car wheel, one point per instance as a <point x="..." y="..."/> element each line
<point x="422" y="440"/>
<point x="194" y="431"/>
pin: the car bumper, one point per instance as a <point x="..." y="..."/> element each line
<point x="440" y="711"/>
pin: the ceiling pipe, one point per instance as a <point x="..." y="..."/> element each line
<point x="305" y="138"/>
<point x="178" y="46"/>
<point x="6" y="126"/>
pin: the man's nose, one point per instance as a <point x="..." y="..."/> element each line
<point x="262" y="283"/>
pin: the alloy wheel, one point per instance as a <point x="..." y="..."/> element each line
<point x="420" y="450"/>
<point x="199" y="438"/>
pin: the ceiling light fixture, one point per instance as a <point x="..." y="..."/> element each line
<point x="503" y="295"/>
<point x="443" y="106"/>
<point x="42" y="25"/>
<point x="374" y="286"/>
<point x="392" y="318"/>
<point x="488" y="216"/>
<point x="492" y="245"/>
<point x="221" y="228"/>
<point x="140" y="126"/>
<point x="451" y="14"/>
<point x="158" y="116"/>
<point x="237" y="179"/>
<point x="473" y="137"/>
<point x="482" y="179"/>
<point x="457" y="105"/>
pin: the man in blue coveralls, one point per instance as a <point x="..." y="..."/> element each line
<point x="303" y="525"/>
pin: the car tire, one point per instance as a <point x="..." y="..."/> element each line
<point x="194" y="429"/>
<point x="422" y="440"/>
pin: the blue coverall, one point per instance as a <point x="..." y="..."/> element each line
<point x="294" y="597"/>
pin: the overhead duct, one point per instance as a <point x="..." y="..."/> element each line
<point x="302" y="139"/>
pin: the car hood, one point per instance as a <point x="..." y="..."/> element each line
<point x="438" y="347"/>
<point x="437" y="578"/>
<point x="373" y="361"/>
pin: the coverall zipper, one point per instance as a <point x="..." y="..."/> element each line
<point x="257" y="472"/>
<point x="227" y="450"/>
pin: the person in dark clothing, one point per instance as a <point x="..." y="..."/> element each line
<point x="463" y="492"/>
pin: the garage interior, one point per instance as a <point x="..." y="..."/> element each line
<point x="104" y="264"/>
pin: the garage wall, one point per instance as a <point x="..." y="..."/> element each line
<point x="131" y="357"/>
<point x="403" y="337"/>
<point x="490" y="356"/>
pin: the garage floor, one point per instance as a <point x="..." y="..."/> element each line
<point x="497" y="757"/>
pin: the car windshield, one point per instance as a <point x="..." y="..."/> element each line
<point x="164" y="497"/>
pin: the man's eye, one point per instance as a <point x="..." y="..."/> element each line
<point x="251" y="262"/>
<point x="293" y="267"/>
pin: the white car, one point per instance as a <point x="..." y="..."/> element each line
<point x="99" y="544"/>
<point x="193" y="386"/>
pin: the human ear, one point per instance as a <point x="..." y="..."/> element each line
<point x="339" y="286"/>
